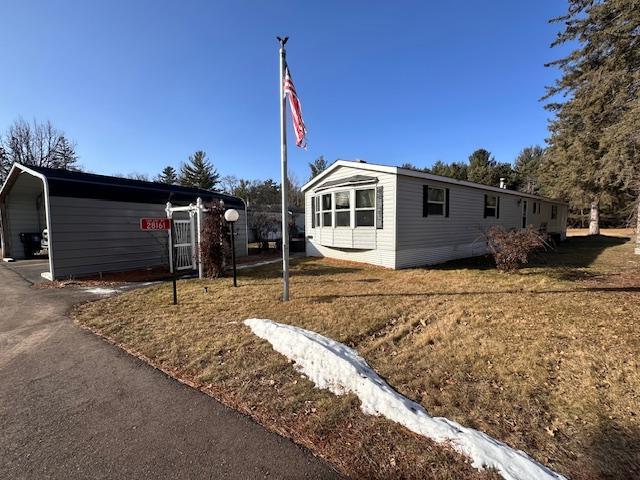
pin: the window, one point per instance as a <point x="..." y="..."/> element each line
<point x="554" y="212"/>
<point x="316" y="211"/>
<point x="353" y="208"/>
<point x="326" y="210"/>
<point x="536" y="207"/>
<point x="491" y="208"/>
<point x="435" y="201"/>
<point x="343" y="208"/>
<point x="365" y="207"/>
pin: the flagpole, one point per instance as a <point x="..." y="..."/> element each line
<point x="284" y="184"/>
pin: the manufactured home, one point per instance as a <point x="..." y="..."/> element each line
<point x="399" y="218"/>
<point x="91" y="223"/>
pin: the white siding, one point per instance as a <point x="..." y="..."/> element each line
<point x="365" y="244"/>
<point x="436" y="239"/>
<point x="25" y="214"/>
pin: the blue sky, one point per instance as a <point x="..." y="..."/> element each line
<point x="141" y="84"/>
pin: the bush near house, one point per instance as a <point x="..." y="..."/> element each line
<point x="511" y="249"/>
<point x="214" y="246"/>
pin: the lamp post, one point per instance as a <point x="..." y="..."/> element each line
<point x="231" y="216"/>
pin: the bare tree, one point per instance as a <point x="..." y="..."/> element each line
<point x="36" y="144"/>
<point x="229" y="184"/>
<point x="295" y="195"/>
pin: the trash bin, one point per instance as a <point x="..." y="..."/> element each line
<point x="31" y="243"/>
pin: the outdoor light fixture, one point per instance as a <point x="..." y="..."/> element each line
<point x="231" y="216"/>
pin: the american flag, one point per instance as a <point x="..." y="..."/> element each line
<point x="296" y="110"/>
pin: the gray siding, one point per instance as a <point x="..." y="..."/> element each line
<point x="367" y="245"/>
<point x="242" y="247"/>
<point x="91" y="236"/>
<point x="24" y="213"/>
<point x="435" y="239"/>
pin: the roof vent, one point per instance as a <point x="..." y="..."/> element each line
<point x="359" y="160"/>
<point x="503" y="182"/>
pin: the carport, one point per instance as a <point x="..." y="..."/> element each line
<point x="93" y="221"/>
<point x="24" y="210"/>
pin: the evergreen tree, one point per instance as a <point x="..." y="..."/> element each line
<point x="483" y="168"/>
<point x="594" y="143"/>
<point x="65" y="154"/>
<point x="168" y="176"/>
<point x="318" y="166"/>
<point x="457" y="170"/>
<point x="411" y="166"/>
<point x="526" y="168"/>
<point x="199" y="172"/>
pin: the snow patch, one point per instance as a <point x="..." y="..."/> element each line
<point x="334" y="366"/>
<point x="101" y="290"/>
<point x="258" y="264"/>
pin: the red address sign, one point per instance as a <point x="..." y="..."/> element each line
<point x="155" y="224"/>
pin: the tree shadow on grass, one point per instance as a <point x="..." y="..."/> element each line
<point x="330" y="298"/>
<point x="575" y="252"/>
<point x="614" y="451"/>
<point x="303" y="267"/>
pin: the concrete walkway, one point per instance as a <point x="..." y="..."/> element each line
<point x="73" y="406"/>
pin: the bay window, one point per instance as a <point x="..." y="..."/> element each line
<point x="316" y="211"/>
<point x="365" y="207"/>
<point x="343" y="208"/>
<point x="326" y="210"/>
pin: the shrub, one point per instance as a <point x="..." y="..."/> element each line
<point x="214" y="241"/>
<point x="511" y="249"/>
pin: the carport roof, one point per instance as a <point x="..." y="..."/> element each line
<point x="69" y="183"/>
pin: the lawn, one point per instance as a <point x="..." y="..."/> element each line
<point x="545" y="360"/>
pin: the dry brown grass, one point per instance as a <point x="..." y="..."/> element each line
<point x="545" y="359"/>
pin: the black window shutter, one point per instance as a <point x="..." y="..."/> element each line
<point x="379" y="206"/>
<point x="313" y="212"/>
<point x="446" y="203"/>
<point x="497" y="207"/>
<point x="425" y="200"/>
<point x="485" y="206"/>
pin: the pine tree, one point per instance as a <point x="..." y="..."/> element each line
<point x="199" y="172"/>
<point x="483" y="168"/>
<point x="594" y="143"/>
<point x="65" y="154"/>
<point x="456" y="170"/>
<point x="526" y="168"/>
<point x="168" y="176"/>
<point x="318" y="166"/>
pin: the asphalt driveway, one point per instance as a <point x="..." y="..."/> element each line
<point x="73" y="406"/>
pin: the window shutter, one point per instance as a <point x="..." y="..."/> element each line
<point x="313" y="212"/>
<point x="379" y="206"/>
<point x="425" y="200"/>
<point x="497" y="207"/>
<point x="446" y="203"/>
<point x="484" y="210"/>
